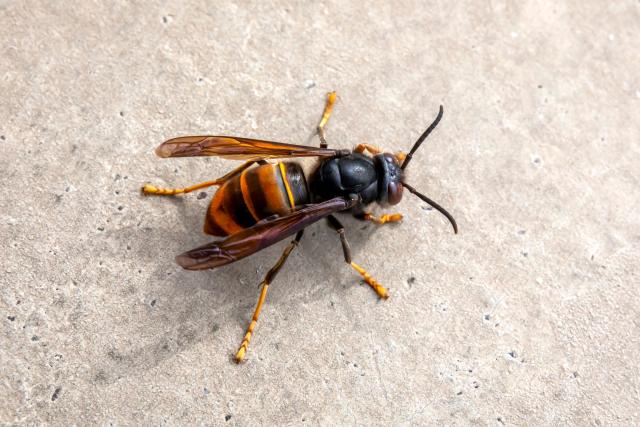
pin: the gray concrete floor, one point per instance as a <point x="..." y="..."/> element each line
<point x="528" y="316"/>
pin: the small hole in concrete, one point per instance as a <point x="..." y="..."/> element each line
<point x="56" y="393"/>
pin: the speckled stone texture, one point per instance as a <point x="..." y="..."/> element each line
<point x="529" y="316"/>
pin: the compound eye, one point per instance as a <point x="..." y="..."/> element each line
<point x="395" y="193"/>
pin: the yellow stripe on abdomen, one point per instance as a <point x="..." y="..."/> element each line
<point x="286" y="185"/>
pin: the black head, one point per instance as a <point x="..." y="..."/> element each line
<point x="389" y="179"/>
<point x="402" y="183"/>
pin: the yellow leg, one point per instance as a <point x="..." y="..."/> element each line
<point x="377" y="287"/>
<point x="263" y="294"/>
<point x="396" y="217"/>
<point x="346" y="249"/>
<point x="360" y="148"/>
<point x="247" y="337"/>
<point x="151" y="189"/>
<point x="331" y="99"/>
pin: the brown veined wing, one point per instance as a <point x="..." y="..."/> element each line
<point x="232" y="147"/>
<point x="263" y="234"/>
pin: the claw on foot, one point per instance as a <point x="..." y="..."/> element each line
<point x="375" y="285"/>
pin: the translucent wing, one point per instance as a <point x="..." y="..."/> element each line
<point x="263" y="234"/>
<point x="231" y="147"/>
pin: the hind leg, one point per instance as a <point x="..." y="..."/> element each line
<point x="151" y="189"/>
<point x="263" y="295"/>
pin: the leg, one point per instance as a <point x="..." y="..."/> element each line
<point x="360" y="148"/>
<point x="331" y="99"/>
<point x="150" y="189"/>
<point x="383" y="219"/>
<point x="377" y="287"/>
<point x="263" y="294"/>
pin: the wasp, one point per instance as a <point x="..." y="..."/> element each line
<point x="260" y="203"/>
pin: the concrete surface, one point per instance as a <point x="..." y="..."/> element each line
<point x="528" y="316"/>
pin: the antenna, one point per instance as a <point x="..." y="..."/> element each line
<point x="436" y="206"/>
<point x="421" y="139"/>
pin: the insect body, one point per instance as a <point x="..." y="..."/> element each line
<point x="260" y="203"/>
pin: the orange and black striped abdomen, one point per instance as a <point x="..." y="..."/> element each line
<point x="255" y="194"/>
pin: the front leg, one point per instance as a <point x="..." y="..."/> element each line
<point x="361" y="148"/>
<point x="383" y="219"/>
<point x="374" y="151"/>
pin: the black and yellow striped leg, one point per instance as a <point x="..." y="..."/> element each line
<point x="375" y="285"/>
<point x="151" y="189"/>
<point x="328" y="108"/>
<point x="263" y="294"/>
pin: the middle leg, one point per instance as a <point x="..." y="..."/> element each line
<point x="375" y="285"/>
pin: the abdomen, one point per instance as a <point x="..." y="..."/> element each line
<point x="255" y="194"/>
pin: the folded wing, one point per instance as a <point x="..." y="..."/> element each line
<point x="231" y="147"/>
<point x="261" y="235"/>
